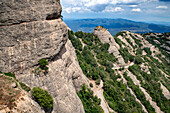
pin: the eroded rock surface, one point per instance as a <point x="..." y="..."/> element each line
<point x="105" y="37"/>
<point x="15" y="99"/>
<point x="64" y="77"/>
<point x="31" y="30"/>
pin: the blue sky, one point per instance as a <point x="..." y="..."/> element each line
<point x="137" y="10"/>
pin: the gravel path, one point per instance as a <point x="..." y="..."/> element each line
<point x="98" y="90"/>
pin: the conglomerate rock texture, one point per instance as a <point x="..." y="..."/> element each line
<point x="105" y="37"/>
<point x="31" y="30"/>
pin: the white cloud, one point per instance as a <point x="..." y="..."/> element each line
<point x="136" y="10"/>
<point x="96" y="2"/>
<point x="74" y="9"/>
<point x="133" y="5"/>
<point x="68" y="10"/>
<point x="109" y="9"/>
<point x="98" y="5"/>
<point x="119" y="9"/>
<point x="112" y="9"/>
<point x="162" y="7"/>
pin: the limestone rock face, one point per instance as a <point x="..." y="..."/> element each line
<point x="64" y="77"/>
<point x="31" y="30"/>
<point x="19" y="11"/>
<point x="105" y="37"/>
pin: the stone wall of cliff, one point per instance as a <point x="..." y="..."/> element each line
<point x="26" y="34"/>
<point x="31" y="30"/>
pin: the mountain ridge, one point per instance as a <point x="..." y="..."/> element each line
<point x="115" y="25"/>
<point x="143" y="71"/>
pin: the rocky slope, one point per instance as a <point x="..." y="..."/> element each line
<point x="128" y="72"/>
<point x="106" y="37"/>
<point x="132" y="69"/>
<point x="14" y="99"/>
<point x="31" y="30"/>
<point x="161" y="40"/>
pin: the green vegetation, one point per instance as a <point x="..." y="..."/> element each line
<point x="138" y="60"/>
<point x="137" y="41"/>
<point x="162" y="39"/>
<point x="119" y="97"/>
<point x="151" y="83"/>
<point x="43" y="64"/>
<point x="89" y="57"/>
<point x="10" y="74"/>
<point x="42" y="97"/>
<point x="120" y="33"/>
<point x="118" y="41"/>
<point x="24" y="87"/>
<point x="129" y="41"/>
<point x="91" y="103"/>
<point x="79" y="34"/>
<point x="75" y="41"/>
<point x="96" y="63"/>
<point x="147" y="50"/>
<point x="91" y="85"/>
<point x="140" y="95"/>
<point x="126" y="55"/>
<point x="139" y="51"/>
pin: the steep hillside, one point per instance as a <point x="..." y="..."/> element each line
<point x="160" y="40"/>
<point x="14" y="99"/>
<point x="134" y="73"/>
<point x="126" y="73"/>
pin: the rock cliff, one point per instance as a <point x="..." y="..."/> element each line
<point x="31" y="30"/>
<point x="105" y="37"/>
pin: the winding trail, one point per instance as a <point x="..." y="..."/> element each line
<point x="126" y="66"/>
<point x="98" y="90"/>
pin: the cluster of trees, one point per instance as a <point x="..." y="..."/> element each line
<point x="162" y="40"/>
<point x="117" y="95"/>
<point x="43" y="98"/>
<point x="147" y="50"/>
<point x="126" y="55"/>
<point x="120" y="33"/>
<point x="129" y="41"/>
<point x="90" y="102"/>
<point x="139" y="51"/>
<point x="139" y="94"/>
<point x="118" y="41"/>
<point x="75" y="41"/>
<point x="9" y="74"/>
<point x="151" y="83"/>
<point x="137" y="41"/>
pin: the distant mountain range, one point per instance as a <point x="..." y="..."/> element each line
<point x="115" y="25"/>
